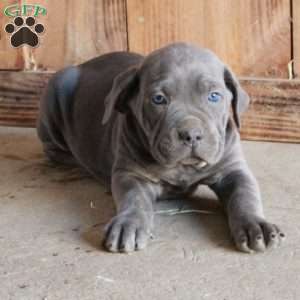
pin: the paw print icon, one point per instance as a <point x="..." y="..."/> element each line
<point x="24" y="31"/>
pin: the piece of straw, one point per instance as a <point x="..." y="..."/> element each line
<point x="172" y="212"/>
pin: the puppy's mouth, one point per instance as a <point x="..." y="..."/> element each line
<point x="194" y="161"/>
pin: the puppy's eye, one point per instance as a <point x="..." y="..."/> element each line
<point x="214" y="97"/>
<point x="159" y="99"/>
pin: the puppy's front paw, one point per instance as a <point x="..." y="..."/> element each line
<point x="127" y="232"/>
<point x="255" y="234"/>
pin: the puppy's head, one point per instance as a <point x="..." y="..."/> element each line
<point x="181" y="96"/>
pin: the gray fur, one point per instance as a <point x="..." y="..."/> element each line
<point x="100" y="115"/>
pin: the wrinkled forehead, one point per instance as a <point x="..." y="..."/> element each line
<point x="182" y="65"/>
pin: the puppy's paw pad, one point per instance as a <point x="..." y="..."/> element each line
<point x="127" y="233"/>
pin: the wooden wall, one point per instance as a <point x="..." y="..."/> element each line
<point x="252" y="36"/>
<point x="296" y="36"/>
<point x="242" y="33"/>
<point x="259" y="39"/>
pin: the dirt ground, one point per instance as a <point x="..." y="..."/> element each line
<point x="51" y="226"/>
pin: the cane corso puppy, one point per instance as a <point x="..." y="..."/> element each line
<point x="152" y="127"/>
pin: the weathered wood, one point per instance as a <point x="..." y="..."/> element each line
<point x="296" y="36"/>
<point x="19" y="97"/>
<point x="274" y="113"/>
<point x="10" y="58"/>
<point x="79" y="30"/>
<point x="252" y="36"/>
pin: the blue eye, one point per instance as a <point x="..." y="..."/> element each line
<point x="159" y="99"/>
<point x="214" y="97"/>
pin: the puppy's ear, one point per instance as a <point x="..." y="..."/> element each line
<point x="240" y="99"/>
<point x="124" y="87"/>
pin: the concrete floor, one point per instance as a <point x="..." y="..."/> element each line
<point x="51" y="222"/>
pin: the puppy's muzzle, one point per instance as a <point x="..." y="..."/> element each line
<point x="191" y="135"/>
<point x="190" y="132"/>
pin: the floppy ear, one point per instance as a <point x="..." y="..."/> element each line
<point x="240" y="99"/>
<point x="125" y="85"/>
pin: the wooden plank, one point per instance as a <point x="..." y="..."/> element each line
<point x="10" y="58"/>
<point x="252" y="36"/>
<point x="296" y="36"/>
<point x="274" y="113"/>
<point x="19" y="97"/>
<point x="77" y="31"/>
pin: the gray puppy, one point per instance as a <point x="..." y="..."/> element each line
<point x="153" y="127"/>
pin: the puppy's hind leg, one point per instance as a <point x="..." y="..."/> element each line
<point x="54" y="116"/>
<point x="52" y="151"/>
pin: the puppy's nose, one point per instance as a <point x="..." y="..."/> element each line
<point x="190" y="137"/>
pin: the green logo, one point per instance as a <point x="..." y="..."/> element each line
<point x="24" y="10"/>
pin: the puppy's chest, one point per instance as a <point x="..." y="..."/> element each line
<point x="183" y="177"/>
<point x="180" y="179"/>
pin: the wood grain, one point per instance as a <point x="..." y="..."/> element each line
<point x="296" y="36"/>
<point x="252" y="36"/>
<point x="19" y="97"/>
<point x="10" y="58"/>
<point x="274" y="113"/>
<point x="77" y="31"/>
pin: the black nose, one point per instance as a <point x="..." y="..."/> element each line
<point x="190" y="137"/>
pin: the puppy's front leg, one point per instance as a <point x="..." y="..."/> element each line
<point x="240" y="194"/>
<point x="130" y="229"/>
